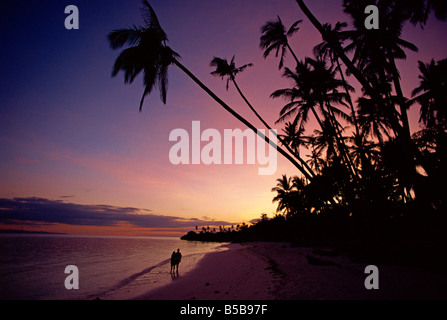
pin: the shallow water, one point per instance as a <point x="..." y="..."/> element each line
<point x="32" y="266"/>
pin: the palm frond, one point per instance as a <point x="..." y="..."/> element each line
<point x="149" y="79"/>
<point x="287" y="93"/>
<point x="225" y="69"/>
<point x="273" y="36"/>
<point x="150" y="18"/>
<point x="131" y="36"/>
<point x="293" y="28"/>
<point x="242" y="68"/>
<point x="128" y="61"/>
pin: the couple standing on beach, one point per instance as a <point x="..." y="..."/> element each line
<point x="176" y="257"/>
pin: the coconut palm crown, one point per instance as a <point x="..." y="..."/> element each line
<point x="147" y="53"/>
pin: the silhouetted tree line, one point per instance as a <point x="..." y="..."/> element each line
<point x="363" y="179"/>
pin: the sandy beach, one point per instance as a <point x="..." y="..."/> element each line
<point x="277" y="271"/>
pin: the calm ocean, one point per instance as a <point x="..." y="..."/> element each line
<point x="32" y="266"/>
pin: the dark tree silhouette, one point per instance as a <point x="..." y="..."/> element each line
<point x="431" y="93"/>
<point x="229" y="71"/>
<point x="275" y="38"/>
<point x="149" y="53"/>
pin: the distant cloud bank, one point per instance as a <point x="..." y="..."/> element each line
<point x="39" y="210"/>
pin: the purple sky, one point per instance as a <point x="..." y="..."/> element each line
<point x="70" y="133"/>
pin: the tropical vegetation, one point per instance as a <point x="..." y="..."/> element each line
<point x="363" y="173"/>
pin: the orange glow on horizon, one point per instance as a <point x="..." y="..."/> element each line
<point x="82" y="140"/>
<point x="98" y="230"/>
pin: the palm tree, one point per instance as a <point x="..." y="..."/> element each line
<point x="337" y="48"/>
<point x="293" y="136"/>
<point x="315" y="160"/>
<point x="418" y="11"/>
<point x="225" y="69"/>
<point x="431" y="141"/>
<point x="323" y="140"/>
<point x="229" y="70"/>
<point x="283" y="191"/>
<point x="275" y="37"/>
<point x="364" y="153"/>
<point x="376" y="50"/>
<point x="300" y="96"/>
<point x="432" y="93"/>
<point x="148" y="53"/>
<point x="315" y="86"/>
<point x="376" y="120"/>
<point x="375" y="54"/>
<point x="324" y="51"/>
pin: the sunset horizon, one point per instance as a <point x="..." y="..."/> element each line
<point x="75" y="135"/>
<point x="255" y="153"/>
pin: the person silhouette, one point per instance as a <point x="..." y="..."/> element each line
<point x="178" y="258"/>
<point x="173" y="261"/>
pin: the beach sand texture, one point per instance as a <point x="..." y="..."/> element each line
<point x="269" y="271"/>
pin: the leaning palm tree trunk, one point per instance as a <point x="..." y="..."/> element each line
<point x="293" y="53"/>
<point x="348" y="97"/>
<point x="338" y="50"/>
<point x="295" y="154"/>
<point x="405" y="136"/>
<point x="341" y="145"/>
<point x="240" y="118"/>
<point x="336" y="47"/>
<point x="353" y="115"/>
<point x="249" y="104"/>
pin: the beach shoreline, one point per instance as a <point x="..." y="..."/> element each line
<point x="154" y="277"/>
<point x="278" y="271"/>
<point x="233" y="274"/>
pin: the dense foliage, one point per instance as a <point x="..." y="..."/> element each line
<point x="363" y="176"/>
